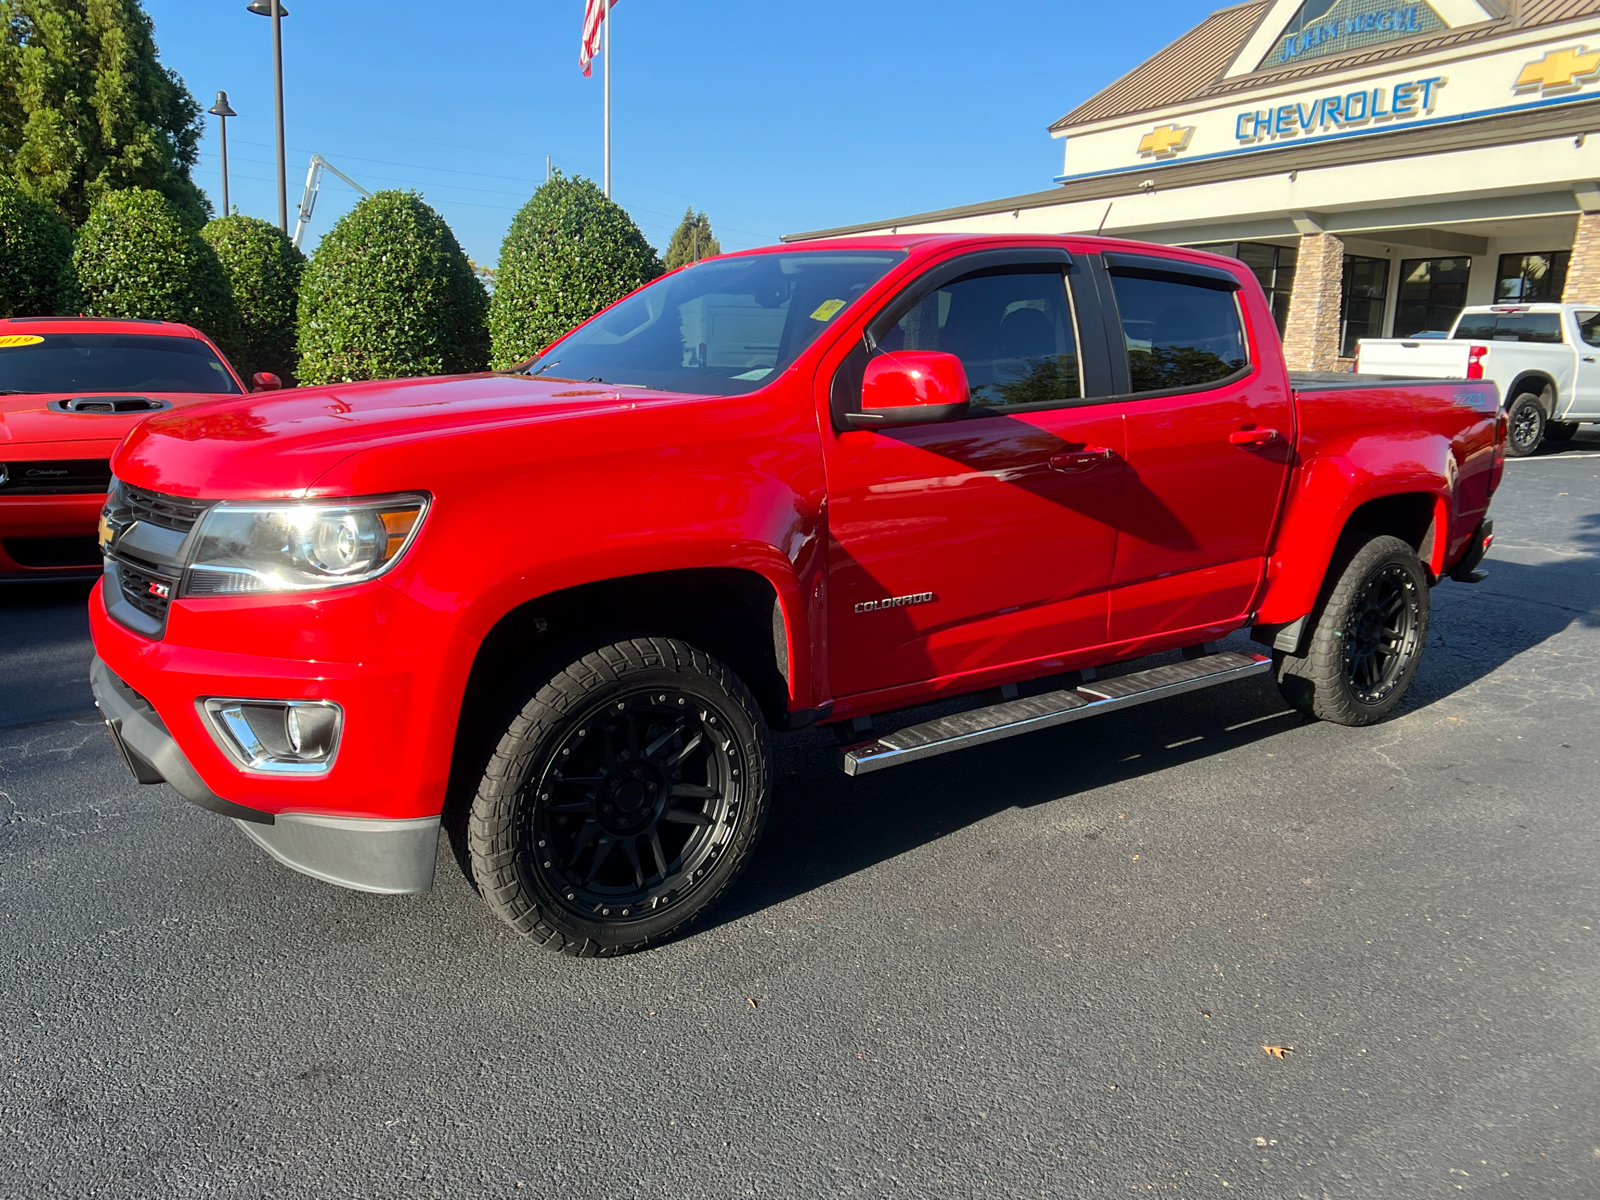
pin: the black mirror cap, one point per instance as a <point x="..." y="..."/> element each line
<point x="910" y="414"/>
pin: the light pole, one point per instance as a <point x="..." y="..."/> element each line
<point x="222" y="112"/>
<point x="276" y="10"/>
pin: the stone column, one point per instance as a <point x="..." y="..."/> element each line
<point x="1311" y="334"/>
<point x="1583" y="271"/>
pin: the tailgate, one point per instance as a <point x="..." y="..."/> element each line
<point x="1421" y="358"/>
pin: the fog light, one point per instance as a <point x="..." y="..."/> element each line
<point x="289" y="737"/>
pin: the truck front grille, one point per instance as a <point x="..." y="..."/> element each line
<point x="169" y="512"/>
<point x="147" y="591"/>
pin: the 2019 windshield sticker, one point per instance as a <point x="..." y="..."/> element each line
<point x="896" y="602"/>
<point x="19" y="339"/>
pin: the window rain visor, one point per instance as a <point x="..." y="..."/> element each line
<point x="252" y="548"/>
<point x="725" y="326"/>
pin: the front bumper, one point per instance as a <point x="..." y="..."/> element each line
<point x="397" y="670"/>
<point x="367" y="854"/>
<point x="51" y="524"/>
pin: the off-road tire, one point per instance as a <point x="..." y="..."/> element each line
<point x="1333" y="679"/>
<point x="1525" y="425"/>
<point x="1560" y="431"/>
<point x="525" y="805"/>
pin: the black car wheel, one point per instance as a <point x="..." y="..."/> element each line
<point x="1524" y="425"/>
<point x="623" y="800"/>
<point x="1366" y="642"/>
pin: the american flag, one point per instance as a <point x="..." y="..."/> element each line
<point x="594" y="15"/>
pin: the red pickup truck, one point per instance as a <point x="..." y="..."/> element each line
<point x="563" y="608"/>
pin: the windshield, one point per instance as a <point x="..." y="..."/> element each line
<point x="111" y="362"/>
<point x="724" y="326"/>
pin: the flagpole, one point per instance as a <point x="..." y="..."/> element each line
<point x="605" y="34"/>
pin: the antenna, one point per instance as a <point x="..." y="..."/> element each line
<point x="1103" y="217"/>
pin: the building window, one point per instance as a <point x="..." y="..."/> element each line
<point x="1433" y="291"/>
<point x="1530" y="278"/>
<point x="1322" y="27"/>
<point x="1361" y="301"/>
<point x="1273" y="266"/>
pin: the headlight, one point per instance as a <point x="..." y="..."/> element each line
<point x="250" y="548"/>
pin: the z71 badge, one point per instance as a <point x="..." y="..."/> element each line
<point x="896" y="602"/>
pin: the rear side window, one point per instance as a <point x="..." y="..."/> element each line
<point x="1509" y="327"/>
<point x="1589" y="328"/>
<point x="1011" y="329"/>
<point x="1178" y="334"/>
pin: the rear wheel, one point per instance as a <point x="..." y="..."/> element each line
<point x="1366" y="644"/>
<point x="1525" y="425"/>
<point x="623" y="800"/>
<point x="1560" y="431"/>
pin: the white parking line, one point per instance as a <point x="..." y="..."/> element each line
<point x="1555" y="457"/>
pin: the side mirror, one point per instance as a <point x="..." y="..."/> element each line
<point x="265" y="381"/>
<point x="912" y="387"/>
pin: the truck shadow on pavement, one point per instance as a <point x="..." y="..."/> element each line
<point x="826" y="826"/>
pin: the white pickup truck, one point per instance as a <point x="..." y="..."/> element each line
<point x="1545" y="357"/>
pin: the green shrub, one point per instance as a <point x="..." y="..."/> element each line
<point x="263" y="269"/>
<point x="569" y="253"/>
<point x="389" y="293"/>
<point x="36" y="277"/>
<point x="136" y="257"/>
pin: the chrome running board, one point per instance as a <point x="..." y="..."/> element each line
<point x="1011" y="717"/>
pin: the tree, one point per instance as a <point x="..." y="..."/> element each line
<point x="136" y="257"/>
<point x="36" y="276"/>
<point x="389" y="293"/>
<point x="263" y="268"/>
<point x="684" y="244"/>
<point x="86" y="108"/>
<point x="569" y="253"/>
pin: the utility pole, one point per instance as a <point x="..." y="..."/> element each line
<point x="276" y="10"/>
<point x="222" y="112"/>
<point x="547" y="168"/>
<point x="694" y="231"/>
<point x="605" y="33"/>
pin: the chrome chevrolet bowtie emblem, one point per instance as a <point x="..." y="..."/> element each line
<point x="1560" y="71"/>
<point x="1164" y="141"/>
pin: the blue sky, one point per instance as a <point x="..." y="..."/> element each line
<point x="772" y="116"/>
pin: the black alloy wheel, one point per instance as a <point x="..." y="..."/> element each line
<point x="1380" y="633"/>
<point x="1366" y="636"/>
<point x="1524" y="425"/>
<point x="636" y="802"/>
<point x="623" y="799"/>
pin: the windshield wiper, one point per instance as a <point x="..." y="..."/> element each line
<point x="555" y="362"/>
<point x="16" y="392"/>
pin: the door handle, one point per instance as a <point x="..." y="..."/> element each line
<point x="1072" y="461"/>
<point x="1588" y="358"/>
<point x="1253" y="437"/>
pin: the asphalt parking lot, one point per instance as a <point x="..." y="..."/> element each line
<point x="1046" y="967"/>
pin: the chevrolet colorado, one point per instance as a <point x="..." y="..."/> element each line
<point x="563" y="609"/>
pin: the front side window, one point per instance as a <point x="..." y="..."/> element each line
<point x="1178" y="334"/>
<point x="1011" y="329"/>
<point x="724" y="326"/>
<point x="111" y="362"/>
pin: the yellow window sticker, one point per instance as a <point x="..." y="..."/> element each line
<point x="29" y="339"/>
<point x="826" y="310"/>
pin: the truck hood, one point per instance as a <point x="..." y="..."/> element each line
<point x="277" y="444"/>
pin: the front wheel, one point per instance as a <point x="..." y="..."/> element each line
<point x="1525" y="425"/>
<point x="623" y="799"/>
<point x="1366" y="644"/>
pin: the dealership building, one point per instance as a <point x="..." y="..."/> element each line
<point x="1377" y="163"/>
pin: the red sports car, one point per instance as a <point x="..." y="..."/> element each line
<point x="70" y="389"/>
